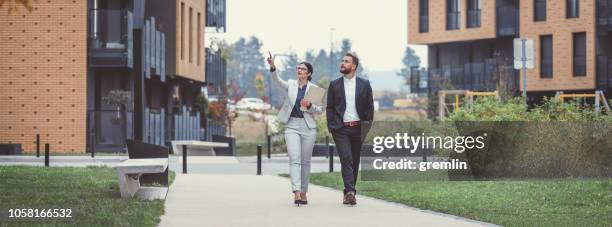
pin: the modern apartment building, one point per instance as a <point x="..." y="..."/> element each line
<point x="61" y="63"/>
<point x="572" y="42"/>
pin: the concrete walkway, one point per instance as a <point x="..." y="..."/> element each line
<point x="250" y="200"/>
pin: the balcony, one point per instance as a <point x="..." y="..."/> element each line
<point x="215" y="14"/>
<point x="507" y="21"/>
<point x="473" y="18"/>
<point x="452" y="20"/>
<point x="216" y="72"/>
<point x="154" y="50"/>
<point x="604" y="15"/>
<point x="475" y="76"/>
<point x="110" y="38"/>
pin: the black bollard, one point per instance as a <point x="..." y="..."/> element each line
<point x="259" y="159"/>
<point x="46" y="154"/>
<point x="331" y="158"/>
<point x="424" y="155"/>
<point x="92" y="145"/>
<point x="327" y="143"/>
<point x="37" y="145"/>
<point x="93" y="152"/>
<point x="269" y="146"/>
<point x="184" y="158"/>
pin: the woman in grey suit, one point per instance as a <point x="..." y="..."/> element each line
<point x="300" y="127"/>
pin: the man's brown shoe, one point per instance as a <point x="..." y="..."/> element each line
<point x="345" y="199"/>
<point x="350" y="199"/>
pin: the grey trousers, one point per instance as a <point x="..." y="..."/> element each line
<point x="300" y="142"/>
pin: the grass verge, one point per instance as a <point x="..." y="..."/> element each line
<point x="545" y="202"/>
<point x="92" y="193"/>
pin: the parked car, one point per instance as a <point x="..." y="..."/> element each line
<point x="255" y="104"/>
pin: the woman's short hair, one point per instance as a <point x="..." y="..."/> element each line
<point x="309" y="67"/>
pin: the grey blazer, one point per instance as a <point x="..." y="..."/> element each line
<point x="291" y="87"/>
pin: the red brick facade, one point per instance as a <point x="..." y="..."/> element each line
<point x="43" y="66"/>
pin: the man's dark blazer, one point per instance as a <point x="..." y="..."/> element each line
<point x="336" y="102"/>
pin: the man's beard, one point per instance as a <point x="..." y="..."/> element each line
<point x="345" y="70"/>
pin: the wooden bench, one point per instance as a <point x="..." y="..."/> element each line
<point x="197" y="147"/>
<point x="129" y="172"/>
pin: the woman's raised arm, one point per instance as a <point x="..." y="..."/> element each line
<point x="274" y="75"/>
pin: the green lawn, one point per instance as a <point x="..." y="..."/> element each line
<point x="548" y="202"/>
<point x="92" y="193"/>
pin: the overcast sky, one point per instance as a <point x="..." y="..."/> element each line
<point x="377" y="29"/>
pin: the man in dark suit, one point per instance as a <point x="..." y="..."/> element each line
<point x="350" y="107"/>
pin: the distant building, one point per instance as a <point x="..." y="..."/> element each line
<point x="573" y="42"/>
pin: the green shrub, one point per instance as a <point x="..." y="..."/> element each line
<point x="555" y="139"/>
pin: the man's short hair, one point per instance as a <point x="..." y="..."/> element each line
<point x="355" y="59"/>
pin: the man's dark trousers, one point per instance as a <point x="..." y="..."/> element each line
<point x="348" y="144"/>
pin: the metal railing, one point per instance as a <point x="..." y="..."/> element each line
<point x="579" y="68"/>
<point x="473" y="18"/>
<point x="475" y="76"/>
<point x="424" y="24"/>
<point x="110" y="28"/>
<point x="108" y="129"/>
<point x="216" y="73"/>
<point x="213" y="128"/>
<point x="186" y="125"/>
<point x="452" y="20"/>
<point x="154" y="126"/>
<point x="216" y="14"/>
<point x="110" y="37"/>
<point x="546" y="69"/>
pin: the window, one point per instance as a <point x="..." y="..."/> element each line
<point x="579" y="54"/>
<point x="190" y="34"/>
<point x="199" y="40"/>
<point x="546" y="56"/>
<point x="539" y="10"/>
<point x="182" y="30"/>
<point x="573" y="8"/>
<point x="452" y="14"/>
<point x="424" y="16"/>
<point x="473" y="13"/>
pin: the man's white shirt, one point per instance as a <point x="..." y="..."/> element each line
<point x="350" y="114"/>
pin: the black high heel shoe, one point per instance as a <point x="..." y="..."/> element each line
<point x="304" y="202"/>
<point x="297" y="202"/>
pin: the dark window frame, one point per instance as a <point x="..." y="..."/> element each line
<point x="423" y="16"/>
<point x="546" y="64"/>
<point x="182" y="31"/>
<point x="572" y="12"/>
<point x="579" y="54"/>
<point x="541" y="16"/>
